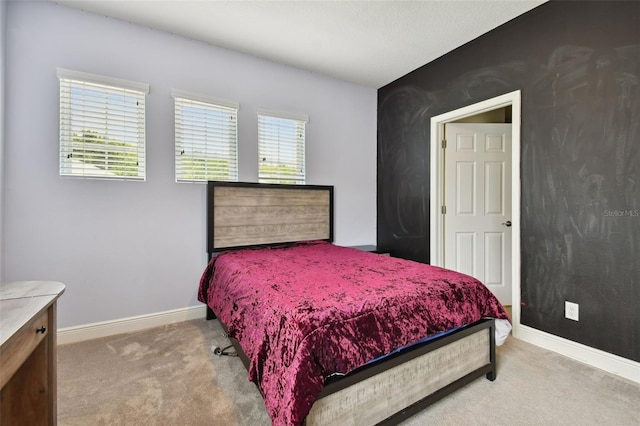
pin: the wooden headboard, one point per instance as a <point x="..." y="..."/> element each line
<point x="241" y="214"/>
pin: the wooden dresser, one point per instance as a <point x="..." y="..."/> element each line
<point x="28" y="352"/>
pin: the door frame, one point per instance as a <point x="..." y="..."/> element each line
<point x="437" y="186"/>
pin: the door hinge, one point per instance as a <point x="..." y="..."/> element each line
<point x="444" y="144"/>
<point x="444" y="209"/>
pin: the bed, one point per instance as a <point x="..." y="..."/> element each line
<point x="335" y="335"/>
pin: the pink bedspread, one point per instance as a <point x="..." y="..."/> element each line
<point x="305" y="312"/>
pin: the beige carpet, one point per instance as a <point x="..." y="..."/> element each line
<point x="168" y="376"/>
<point x="162" y="376"/>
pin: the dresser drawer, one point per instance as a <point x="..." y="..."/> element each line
<point x="21" y="345"/>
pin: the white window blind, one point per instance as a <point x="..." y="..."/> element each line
<point x="102" y="126"/>
<point x="281" y="147"/>
<point x="206" y="138"/>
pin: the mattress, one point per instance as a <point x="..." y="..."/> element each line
<point x="309" y="311"/>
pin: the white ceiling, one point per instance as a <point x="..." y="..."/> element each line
<point x="370" y="43"/>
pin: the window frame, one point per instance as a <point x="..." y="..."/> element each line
<point x="106" y="120"/>
<point x="218" y="105"/>
<point x="300" y="122"/>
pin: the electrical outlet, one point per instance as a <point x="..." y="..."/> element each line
<point x="571" y="310"/>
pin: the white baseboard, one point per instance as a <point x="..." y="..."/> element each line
<point x="594" y="357"/>
<point x="128" y="325"/>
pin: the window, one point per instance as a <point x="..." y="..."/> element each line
<point x="206" y="138"/>
<point x="102" y="126"/>
<point x="281" y="140"/>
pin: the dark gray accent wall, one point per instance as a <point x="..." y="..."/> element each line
<point x="578" y="67"/>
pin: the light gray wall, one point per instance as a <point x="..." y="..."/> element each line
<point x="3" y="33"/>
<point x="132" y="248"/>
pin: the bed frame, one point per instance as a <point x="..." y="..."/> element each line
<point x="384" y="392"/>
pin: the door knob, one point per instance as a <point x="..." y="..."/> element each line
<point x="507" y="223"/>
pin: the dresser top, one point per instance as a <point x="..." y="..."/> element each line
<point x="22" y="300"/>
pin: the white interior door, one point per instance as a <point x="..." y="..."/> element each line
<point x="477" y="196"/>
